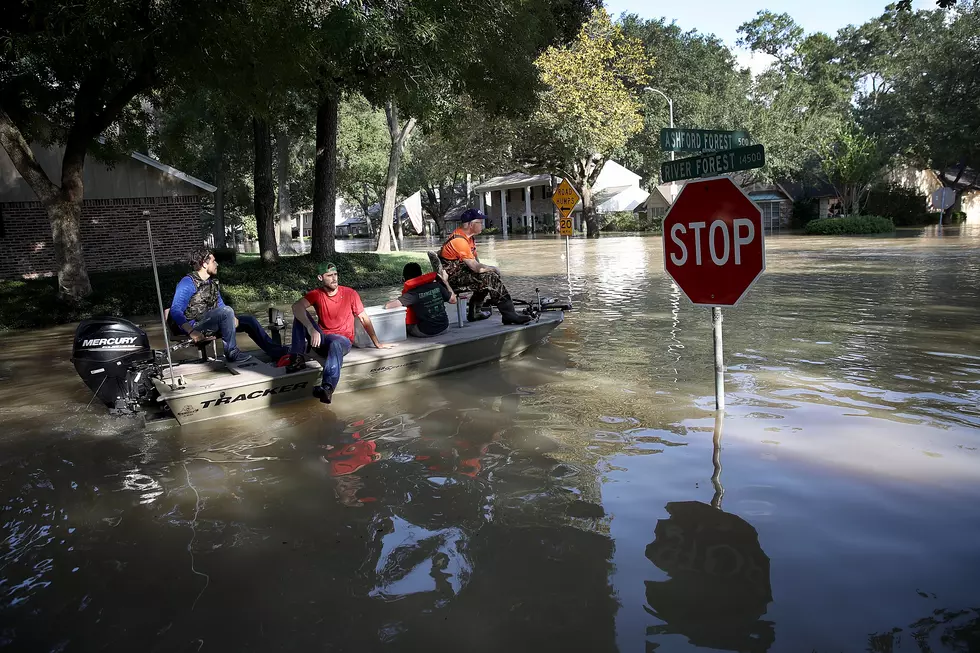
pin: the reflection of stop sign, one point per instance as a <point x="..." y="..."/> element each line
<point x="713" y="242"/>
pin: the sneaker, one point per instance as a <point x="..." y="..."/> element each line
<point x="296" y="363"/>
<point x="323" y="393"/>
<point x="237" y="356"/>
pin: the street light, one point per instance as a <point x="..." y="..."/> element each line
<point x="670" y="108"/>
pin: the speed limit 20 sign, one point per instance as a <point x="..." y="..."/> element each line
<point x="565" y="199"/>
<point x="565" y="227"/>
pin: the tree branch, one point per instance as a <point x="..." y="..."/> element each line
<point x="24" y="161"/>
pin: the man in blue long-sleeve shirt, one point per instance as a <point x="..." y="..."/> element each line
<point x="197" y="308"/>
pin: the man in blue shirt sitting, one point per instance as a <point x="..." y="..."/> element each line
<point x="198" y="308"/>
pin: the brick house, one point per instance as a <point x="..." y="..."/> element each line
<point x="118" y="201"/>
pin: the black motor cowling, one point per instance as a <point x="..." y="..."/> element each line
<point x="113" y="357"/>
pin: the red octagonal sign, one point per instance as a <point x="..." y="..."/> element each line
<point x="713" y="242"/>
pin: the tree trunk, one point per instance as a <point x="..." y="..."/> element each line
<point x="265" y="198"/>
<point x="325" y="178"/>
<point x="588" y="211"/>
<point x="399" y="137"/>
<point x="365" y="205"/>
<point x="285" y="203"/>
<point x="62" y="205"/>
<point x="218" y="230"/>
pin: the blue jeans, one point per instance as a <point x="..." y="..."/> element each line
<point x="251" y="326"/>
<point x="332" y="347"/>
<point x="222" y="320"/>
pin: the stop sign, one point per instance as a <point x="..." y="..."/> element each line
<point x="713" y="242"/>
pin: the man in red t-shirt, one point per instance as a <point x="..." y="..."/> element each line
<point x="331" y="336"/>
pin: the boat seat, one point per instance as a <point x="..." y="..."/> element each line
<point x="176" y="333"/>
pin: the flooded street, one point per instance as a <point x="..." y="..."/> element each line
<point x="580" y="497"/>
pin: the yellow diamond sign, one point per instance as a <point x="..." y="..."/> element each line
<point x="565" y="198"/>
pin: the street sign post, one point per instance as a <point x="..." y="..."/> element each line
<point x="702" y="140"/>
<point x="714" y="250"/>
<point x="565" y="199"/>
<point x="942" y="199"/>
<point x="713" y="163"/>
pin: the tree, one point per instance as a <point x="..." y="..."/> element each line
<point x="399" y="132"/>
<point x="68" y="73"/>
<point x="589" y="107"/>
<point x="929" y="112"/>
<point x="363" y="151"/>
<point x="699" y="74"/>
<point x="852" y="162"/>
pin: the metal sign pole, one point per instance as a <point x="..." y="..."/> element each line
<point x="568" y="266"/>
<point x="163" y="319"/>
<point x="716" y="320"/>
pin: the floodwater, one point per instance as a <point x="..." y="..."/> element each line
<point x="581" y="497"/>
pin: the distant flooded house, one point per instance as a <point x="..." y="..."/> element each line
<point x="521" y="203"/>
<point x="965" y="182"/>
<point x="119" y="199"/>
<point x="772" y="197"/>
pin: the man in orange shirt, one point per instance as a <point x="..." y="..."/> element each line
<point x="458" y="257"/>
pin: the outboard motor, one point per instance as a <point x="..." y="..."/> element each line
<point x="114" y="358"/>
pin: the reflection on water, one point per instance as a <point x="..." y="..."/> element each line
<point x="572" y="498"/>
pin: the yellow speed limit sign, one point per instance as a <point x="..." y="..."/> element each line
<point x="565" y="198"/>
<point x="565" y="227"/>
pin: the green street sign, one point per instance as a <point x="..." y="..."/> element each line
<point x="701" y="140"/>
<point x="713" y="163"/>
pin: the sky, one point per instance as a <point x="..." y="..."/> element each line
<point x="722" y="17"/>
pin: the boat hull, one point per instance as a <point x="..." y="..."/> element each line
<point x="204" y="394"/>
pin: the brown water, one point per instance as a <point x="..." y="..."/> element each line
<point x="571" y="499"/>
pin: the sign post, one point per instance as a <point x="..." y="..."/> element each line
<point x="942" y="199"/>
<point x="565" y="199"/>
<point x="714" y="250"/>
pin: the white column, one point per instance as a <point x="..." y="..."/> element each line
<point x="527" y="208"/>
<point x="299" y="221"/>
<point x="483" y="204"/>
<point x="503" y="211"/>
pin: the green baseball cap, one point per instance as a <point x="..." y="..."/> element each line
<point x="325" y="268"/>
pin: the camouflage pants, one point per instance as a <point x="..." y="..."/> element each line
<point x="486" y="286"/>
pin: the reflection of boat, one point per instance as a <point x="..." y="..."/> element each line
<point x="719" y="585"/>
<point x="114" y="358"/>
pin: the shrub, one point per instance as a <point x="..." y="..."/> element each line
<point x="491" y="231"/>
<point x="225" y="255"/>
<point x="805" y="210"/>
<point x="850" y="225"/>
<point x="905" y="206"/>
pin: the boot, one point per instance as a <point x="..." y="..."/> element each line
<point x="475" y="310"/>
<point x="509" y="314"/>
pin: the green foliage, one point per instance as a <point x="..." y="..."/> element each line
<point x="926" y="108"/>
<point x="249" y="229"/>
<point x="804" y="211"/>
<point x="850" y="226"/>
<point x="852" y="161"/>
<point x="34" y="303"/>
<point x="589" y="104"/>
<point x="700" y="76"/>
<point x="905" y="206"/>
<point x="627" y="221"/>
<point x="225" y="255"/>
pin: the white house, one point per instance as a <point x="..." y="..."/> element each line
<point x="521" y="203"/>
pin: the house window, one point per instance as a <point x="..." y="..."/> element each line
<point x="770" y="215"/>
<point x="508" y="194"/>
<point x="547" y="191"/>
<point x="659" y="211"/>
<point x="532" y="193"/>
<point x="522" y="194"/>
